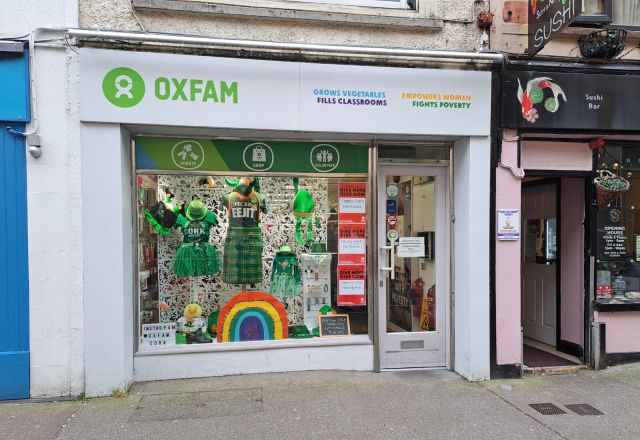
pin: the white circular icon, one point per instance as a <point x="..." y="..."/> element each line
<point x="188" y="155"/>
<point x="324" y="158"/>
<point x="256" y="156"/>
<point x="392" y="190"/>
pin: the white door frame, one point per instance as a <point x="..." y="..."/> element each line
<point x="441" y="338"/>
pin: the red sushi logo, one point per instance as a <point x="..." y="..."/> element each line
<point x="536" y="92"/>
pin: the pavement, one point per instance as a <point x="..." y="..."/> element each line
<point x="433" y="404"/>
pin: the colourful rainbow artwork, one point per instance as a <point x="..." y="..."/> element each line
<point x="252" y="316"/>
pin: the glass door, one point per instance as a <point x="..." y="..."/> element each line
<point x="413" y="265"/>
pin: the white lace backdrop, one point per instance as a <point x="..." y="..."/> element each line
<point x="278" y="228"/>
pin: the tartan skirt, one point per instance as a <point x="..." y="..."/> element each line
<point x="243" y="256"/>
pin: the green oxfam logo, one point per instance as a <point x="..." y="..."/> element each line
<point x="123" y="87"/>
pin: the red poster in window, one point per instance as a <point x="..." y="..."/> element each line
<point x="352" y="243"/>
<point x="352" y="285"/>
<point x="352" y="202"/>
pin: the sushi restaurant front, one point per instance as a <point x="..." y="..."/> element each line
<point x="571" y="156"/>
<point x="284" y="216"/>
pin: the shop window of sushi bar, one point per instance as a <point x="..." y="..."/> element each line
<point x="618" y="227"/>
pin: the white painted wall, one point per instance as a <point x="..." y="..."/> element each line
<point x="20" y="16"/>
<point x="55" y="230"/>
<point x="54" y="203"/>
<point x="108" y="265"/>
<point x="318" y="354"/>
<point x="471" y="243"/>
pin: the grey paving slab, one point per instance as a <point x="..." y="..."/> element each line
<point x="35" y="421"/>
<point x="619" y="401"/>
<point x="315" y="405"/>
<point x="347" y="405"/>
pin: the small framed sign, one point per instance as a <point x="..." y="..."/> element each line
<point x="508" y="224"/>
<point x="155" y="335"/>
<point x="334" y="325"/>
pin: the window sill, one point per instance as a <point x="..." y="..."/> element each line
<point x="312" y="12"/>
<point x="581" y="31"/>
<point x="257" y="345"/>
<point x="616" y="306"/>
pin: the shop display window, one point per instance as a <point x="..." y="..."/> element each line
<point x="225" y="259"/>
<point x="618" y="227"/>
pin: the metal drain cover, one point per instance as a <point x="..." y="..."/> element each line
<point x="547" y="409"/>
<point x="584" y="409"/>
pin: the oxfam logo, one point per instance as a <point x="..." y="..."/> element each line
<point x="123" y="87"/>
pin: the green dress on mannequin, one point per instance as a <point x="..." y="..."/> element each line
<point x="196" y="256"/>
<point x="286" y="278"/>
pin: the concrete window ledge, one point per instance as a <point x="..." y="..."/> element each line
<point x="255" y="345"/>
<point x="311" y="12"/>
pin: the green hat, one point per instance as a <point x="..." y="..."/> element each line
<point x="303" y="204"/>
<point x="285" y="249"/>
<point x="196" y="210"/>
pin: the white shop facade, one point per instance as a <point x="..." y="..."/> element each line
<point x="357" y="193"/>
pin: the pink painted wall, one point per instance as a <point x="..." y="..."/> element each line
<point x="556" y="156"/>
<point x="623" y="331"/>
<point x="508" y="341"/>
<point x="572" y="261"/>
<point x="539" y="156"/>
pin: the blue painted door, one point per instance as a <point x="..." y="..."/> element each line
<point x="14" y="278"/>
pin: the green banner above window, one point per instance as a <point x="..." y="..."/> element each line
<point x="219" y="155"/>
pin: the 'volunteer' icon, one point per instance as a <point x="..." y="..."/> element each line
<point x="123" y="87"/>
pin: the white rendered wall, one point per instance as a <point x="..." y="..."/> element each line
<point x="471" y="265"/>
<point x="54" y="203"/>
<point x="20" y="16"/>
<point x="108" y="265"/>
<point x="55" y="230"/>
<point x="223" y="363"/>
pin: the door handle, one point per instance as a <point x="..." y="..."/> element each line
<point x="391" y="248"/>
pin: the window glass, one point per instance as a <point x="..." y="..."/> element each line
<point x="594" y="7"/>
<point x="626" y="12"/>
<point x="618" y="229"/>
<point x="204" y="240"/>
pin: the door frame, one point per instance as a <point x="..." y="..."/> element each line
<point x="550" y="176"/>
<point x="374" y="272"/>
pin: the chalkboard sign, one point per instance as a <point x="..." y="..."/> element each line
<point x="334" y="325"/>
<point x="614" y="228"/>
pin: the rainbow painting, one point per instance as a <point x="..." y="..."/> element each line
<point x="252" y="316"/>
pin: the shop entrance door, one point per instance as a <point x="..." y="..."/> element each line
<point x="413" y="266"/>
<point x="539" y="217"/>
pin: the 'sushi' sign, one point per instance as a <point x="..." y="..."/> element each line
<point x="547" y="18"/>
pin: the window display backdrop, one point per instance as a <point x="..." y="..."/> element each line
<point x="299" y="213"/>
<point x="278" y="228"/>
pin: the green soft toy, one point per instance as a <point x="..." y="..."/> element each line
<point x="304" y="210"/>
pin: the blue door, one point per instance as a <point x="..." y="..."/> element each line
<point x="14" y="279"/>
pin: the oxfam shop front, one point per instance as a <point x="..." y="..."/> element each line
<point x="251" y="216"/>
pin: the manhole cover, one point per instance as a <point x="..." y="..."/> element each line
<point x="547" y="409"/>
<point x="584" y="409"/>
<point x="157" y="407"/>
